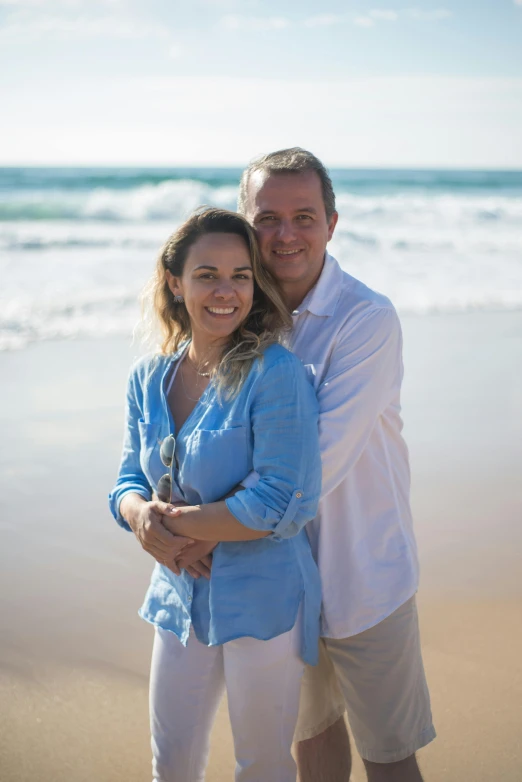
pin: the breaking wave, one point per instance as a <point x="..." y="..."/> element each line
<point x="76" y="246"/>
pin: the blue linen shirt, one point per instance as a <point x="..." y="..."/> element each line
<point x="270" y="426"/>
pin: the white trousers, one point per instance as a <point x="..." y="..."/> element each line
<point x="262" y="681"/>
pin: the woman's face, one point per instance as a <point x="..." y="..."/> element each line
<point x="217" y="284"/>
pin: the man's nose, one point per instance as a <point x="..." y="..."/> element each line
<point x="286" y="231"/>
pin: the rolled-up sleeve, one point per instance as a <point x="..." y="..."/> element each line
<point x="286" y="456"/>
<point x="130" y="477"/>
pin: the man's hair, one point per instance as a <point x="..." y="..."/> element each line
<point x="288" y="161"/>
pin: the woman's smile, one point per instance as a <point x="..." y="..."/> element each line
<point x="221" y="311"/>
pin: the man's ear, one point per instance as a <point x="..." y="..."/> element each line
<point x="173" y="283"/>
<point x="331" y="224"/>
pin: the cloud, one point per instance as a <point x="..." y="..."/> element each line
<point x="518" y="2"/>
<point x="237" y="22"/>
<point x="363" y="21"/>
<point x="32" y="20"/>
<point x="24" y="25"/>
<point x="374" y="121"/>
<point x="323" y="20"/>
<point x="383" y="15"/>
<point x="175" y="51"/>
<point x="379" y="121"/>
<point x="229" y="5"/>
<point x="369" y="19"/>
<point x="433" y="15"/>
<point x="34" y="3"/>
<point x="56" y="5"/>
<point x="378" y="15"/>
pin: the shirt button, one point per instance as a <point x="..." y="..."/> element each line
<point x="299" y="495"/>
<point x="190" y="600"/>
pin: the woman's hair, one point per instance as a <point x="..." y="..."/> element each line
<point x="265" y="323"/>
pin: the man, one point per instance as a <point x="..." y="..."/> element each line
<point x="349" y="339"/>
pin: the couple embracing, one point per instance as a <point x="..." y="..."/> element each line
<point x="263" y="468"/>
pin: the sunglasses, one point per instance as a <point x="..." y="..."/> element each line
<point x="168" y="458"/>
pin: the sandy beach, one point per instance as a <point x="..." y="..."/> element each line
<point x="74" y="655"/>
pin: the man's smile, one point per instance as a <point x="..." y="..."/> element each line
<point x="286" y="253"/>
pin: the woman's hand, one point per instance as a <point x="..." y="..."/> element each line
<point x="144" y="518"/>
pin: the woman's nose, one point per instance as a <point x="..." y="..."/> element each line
<point x="224" y="291"/>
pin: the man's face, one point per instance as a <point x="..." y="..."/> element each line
<point x="288" y="214"/>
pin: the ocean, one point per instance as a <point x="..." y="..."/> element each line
<point x="78" y="244"/>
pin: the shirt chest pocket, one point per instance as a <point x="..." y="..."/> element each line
<point x="215" y="461"/>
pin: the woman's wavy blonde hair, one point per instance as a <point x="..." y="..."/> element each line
<point x="266" y="323"/>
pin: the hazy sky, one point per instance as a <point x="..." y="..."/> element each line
<point x="164" y="82"/>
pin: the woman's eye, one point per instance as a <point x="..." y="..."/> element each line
<point x="243" y="277"/>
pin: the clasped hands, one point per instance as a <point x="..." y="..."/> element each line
<point x="194" y="556"/>
<point x="176" y="552"/>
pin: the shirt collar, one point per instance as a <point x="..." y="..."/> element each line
<point x="323" y="297"/>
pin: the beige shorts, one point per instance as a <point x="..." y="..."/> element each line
<point x="378" y="677"/>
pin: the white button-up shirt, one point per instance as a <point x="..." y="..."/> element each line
<point x="349" y="339"/>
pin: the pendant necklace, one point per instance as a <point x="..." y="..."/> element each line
<point x="185" y="387"/>
<point x="201" y="374"/>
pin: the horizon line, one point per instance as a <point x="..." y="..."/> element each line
<point x="228" y="166"/>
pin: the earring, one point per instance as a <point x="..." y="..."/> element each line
<point x="179" y="299"/>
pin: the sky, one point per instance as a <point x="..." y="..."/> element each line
<point x="366" y="83"/>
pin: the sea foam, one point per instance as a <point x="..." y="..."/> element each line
<point x="76" y="247"/>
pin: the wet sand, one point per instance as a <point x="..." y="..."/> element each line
<point x="74" y="655"/>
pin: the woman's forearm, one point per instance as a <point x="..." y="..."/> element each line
<point x="209" y="522"/>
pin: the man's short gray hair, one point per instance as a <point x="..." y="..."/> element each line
<point x="288" y="161"/>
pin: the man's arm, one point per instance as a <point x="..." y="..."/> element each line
<point x="209" y="522"/>
<point x="364" y="375"/>
<point x="198" y="560"/>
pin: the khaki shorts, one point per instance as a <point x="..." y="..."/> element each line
<point x="378" y="677"/>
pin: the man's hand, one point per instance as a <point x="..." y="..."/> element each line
<point x="144" y="518"/>
<point x="197" y="560"/>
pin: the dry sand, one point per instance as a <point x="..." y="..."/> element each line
<point x="74" y="655"/>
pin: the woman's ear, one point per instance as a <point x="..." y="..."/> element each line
<point x="173" y="283"/>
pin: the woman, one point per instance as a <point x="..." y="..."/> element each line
<point x="223" y="401"/>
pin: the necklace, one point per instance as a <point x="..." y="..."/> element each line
<point x="196" y="368"/>
<point x="192" y="399"/>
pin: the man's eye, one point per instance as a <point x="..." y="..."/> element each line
<point x="267" y="219"/>
<point x="304" y="217"/>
